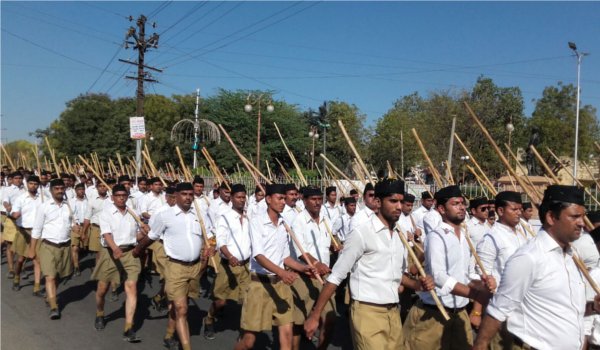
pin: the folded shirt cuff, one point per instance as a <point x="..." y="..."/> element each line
<point x="448" y="286"/>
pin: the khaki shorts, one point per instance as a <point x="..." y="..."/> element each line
<point x="267" y="305"/>
<point x="376" y="327"/>
<point x="21" y="243"/>
<point x="159" y="257"/>
<point x="182" y="281"/>
<point x="306" y="291"/>
<point x="425" y="328"/>
<point x="10" y="230"/>
<point x="108" y="269"/>
<point x="76" y="237"/>
<point x="94" y="240"/>
<point x="231" y="282"/>
<point x="55" y="261"/>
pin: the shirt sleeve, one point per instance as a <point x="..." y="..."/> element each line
<point x="354" y="248"/>
<point x="487" y="249"/>
<point x="38" y="224"/>
<point x="256" y="239"/>
<point x="517" y="277"/>
<point x="18" y="205"/>
<point x="157" y="226"/>
<point x="105" y="220"/>
<point x="221" y="231"/>
<point x="435" y="261"/>
<point x="88" y="210"/>
<point x="300" y="230"/>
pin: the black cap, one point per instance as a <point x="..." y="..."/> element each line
<point x="80" y="185"/>
<point x="426" y="195"/>
<point x="388" y="187"/>
<point x="310" y="191"/>
<point x="142" y="179"/>
<point x="330" y="189"/>
<point x="527" y="205"/>
<point x="15" y="173"/>
<point x="408" y="198"/>
<point x="275" y="189"/>
<point x="64" y="176"/>
<point x="123" y="178"/>
<point x="170" y="190"/>
<point x="198" y="180"/>
<point x="353" y="192"/>
<point x="349" y="200"/>
<point x="111" y="181"/>
<point x="448" y="192"/>
<point x="154" y="180"/>
<point x="46" y="172"/>
<point x="224" y="185"/>
<point x="119" y="188"/>
<point x="56" y="182"/>
<point x="237" y="188"/>
<point x="594" y="216"/>
<point x="257" y="189"/>
<point x="290" y="187"/>
<point x="184" y="186"/>
<point x="475" y="202"/>
<point x="33" y="178"/>
<point x="508" y="196"/>
<point x="566" y="194"/>
<point x="368" y="187"/>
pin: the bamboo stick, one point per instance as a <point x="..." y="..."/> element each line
<point x="390" y="170"/>
<point x="53" y="157"/>
<point x="436" y="175"/>
<point x="424" y="184"/>
<point x="586" y="273"/>
<point x="12" y="165"/>
<point x="473" y="160"/>
<point x="591" y="175"/>
<point x="340" y="173"/>
<point x="512" y="182"/>
<point x="39" y="169"/>
<point x="298" y="169"/>
<point x="333" y="240"/>
<point x="356" y="154"/>
<point x="514" y="156"/>
<point x="269" y="170"/>
<point x="573" y="178"/>
<point x="285" y="173"/>
<point x="473" y="250"/>
<point x="120" y="163"/>
<point x="449" y="172"/>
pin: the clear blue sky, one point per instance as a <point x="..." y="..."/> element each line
<point x="366" y="53"/>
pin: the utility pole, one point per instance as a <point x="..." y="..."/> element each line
<point x="140" y="44"/>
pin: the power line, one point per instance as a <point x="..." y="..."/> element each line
<point x="105" y="68"/>
<point x="189" y="13"/>
<point x="91" y="4"/>
<point x="159" y="9"/>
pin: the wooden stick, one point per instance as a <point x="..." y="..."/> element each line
<point x="285" y="173"/>
<point x="514" y="156"/>
<point x="473" y="160"/>
<point x="511" y="181"/>
<point x="358" y="172"/>
<point x="597" y="145"/>
<point x="154" y="171"/>
<point x="39" y="169"/>
<point x="302" y="251"/>
<point x="413" y="256"/>
<point x="428" y="189"/>
<point x="53" y="157"/>
<point x="269" y="170"/>
<point x="473" y="250"/>
<point x="586" y="273"/>
<point x="333" y="240"/>
<point x="12" y="165"/>
<point x="356" y="154"/>
<point x="449" y="171"/>
<point x="340" y="172"/>
<point x="591" y="175"/>
<point x="120" y="163"/>
<point x="434" y="172"/>
<point x="390" y="170"/>
<point x="298" y="169"/>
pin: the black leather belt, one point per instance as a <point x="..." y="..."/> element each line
<point x="519" y="342"/>
<point x="385" y="306"/>
<point x="185" y="263"/>
<point x="264" y="278"/>
<point x="96" y="225"/>
<point x="225" y="261"/>
<point x="451" y="310"/>
<point x="57" y="245"/>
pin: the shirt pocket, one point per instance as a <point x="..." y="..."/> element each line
<point x="196" y="228"/>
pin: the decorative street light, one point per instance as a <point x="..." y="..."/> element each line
<point x="510" y="128"/>
<point x="579" y="56"/>
<point x="257" y="100"/>
<point x="464" y="159"/>
<point x="314" y="135"/>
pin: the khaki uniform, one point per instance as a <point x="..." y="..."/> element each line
<point x="231" y="282"/>
<point x="306" y="291"/>
<point x="182" y="279"/>
<point x="375" y="326"/>
<point x="55" y="259"/>
<point x="10" y="230"/>
<point x="268" y="303"/>
<point x="159" y="258"/>
<point x="94" y="238"/>
<point x="109" y="269"/>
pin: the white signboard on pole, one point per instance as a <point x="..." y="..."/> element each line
<point x="137" y="128"/>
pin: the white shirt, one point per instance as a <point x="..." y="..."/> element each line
<point x="216" y="209"/>
<point x="79" y="207"/>
<point x="53" y="222"/>
<point x="496" y="247"/>
<point x="289" y="214"/>
<point x="542" y="296"/>
<point x="138" y="198"/>
<point x="151" y="202"/>
<point x="342" y="226"/>
<point x="122" y="227"/>
<point x="11" y="194"/>
<point x="449" y="261"/>
<point x="418" y="215"/>
<point x="361" y="216"/>
<point x="431" y="221"/>
<point x="587" y="251"/>
<point x="180" y="231"/>
<point x="313" y="237"/>
<point x="95" y="207"/>
<point x="406" y="224"/>
<point x="331" y="211"/>
<point x="91" y="192"/>
<point x="255" y="209"/>
<point x="477" y="229"/>
<point x="377" y="259"/>
<point x="27" y="206"/>
<point x="233" y="231"/>
<point x="271" y="241"/>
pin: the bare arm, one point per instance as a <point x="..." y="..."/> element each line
<point x="489" y="327"/>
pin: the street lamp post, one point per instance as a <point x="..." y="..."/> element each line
<point x="257" y="100"/>
<point x="325" y="126"/>
<point x="314" y="135"/>
<point x="579" y="56"/>
<point x="510" y="128"/>
<point x="464" y="159"/>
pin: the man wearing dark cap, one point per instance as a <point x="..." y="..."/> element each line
<point x="330" y="207"/>
<point x="426" y="207"/>
<point x="52" y="225"/>
<point x="541" y="296"/>
<point x="78" y="237"/>
<point x="119" y="232"/>
<point x="477" y="225"/>
<point x="449" y="260"/>
<point x="378" y="259"/>
<point x="313" y="230"/>
<point x="269" y="300"/>
<point x="24" y="212"/>
<point x="342" y="225"/>
<point x="181" y="233"/>
<point x="291" y="210"/>
<point x="233" y="242"/>
<point x="496" y="247"/>
<point x="369" y="211"/>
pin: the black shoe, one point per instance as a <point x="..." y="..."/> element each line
<point x="99" y="323"/>
<point x="16" y="286"/>
<point x="171" y="343"/>
<point x="131" y="337"/>
<point x="114" y="296"/>
<point x="10" y="275"/>
<point x="39" y="294"/>
<point x="209" y="330"/>
<point x="76" y="272"/>
<point x="54" y="314"/>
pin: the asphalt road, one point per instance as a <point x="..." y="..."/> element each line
<point x="25" y="324"/>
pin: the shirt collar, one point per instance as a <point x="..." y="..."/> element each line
<point x="548" y="243"/>
<point x="266" y="220"/>
<point x="379" y="226"/>
<point x="446" y="228"/>
<point x="308" y="219"/>
<point x="177" y="210"/>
